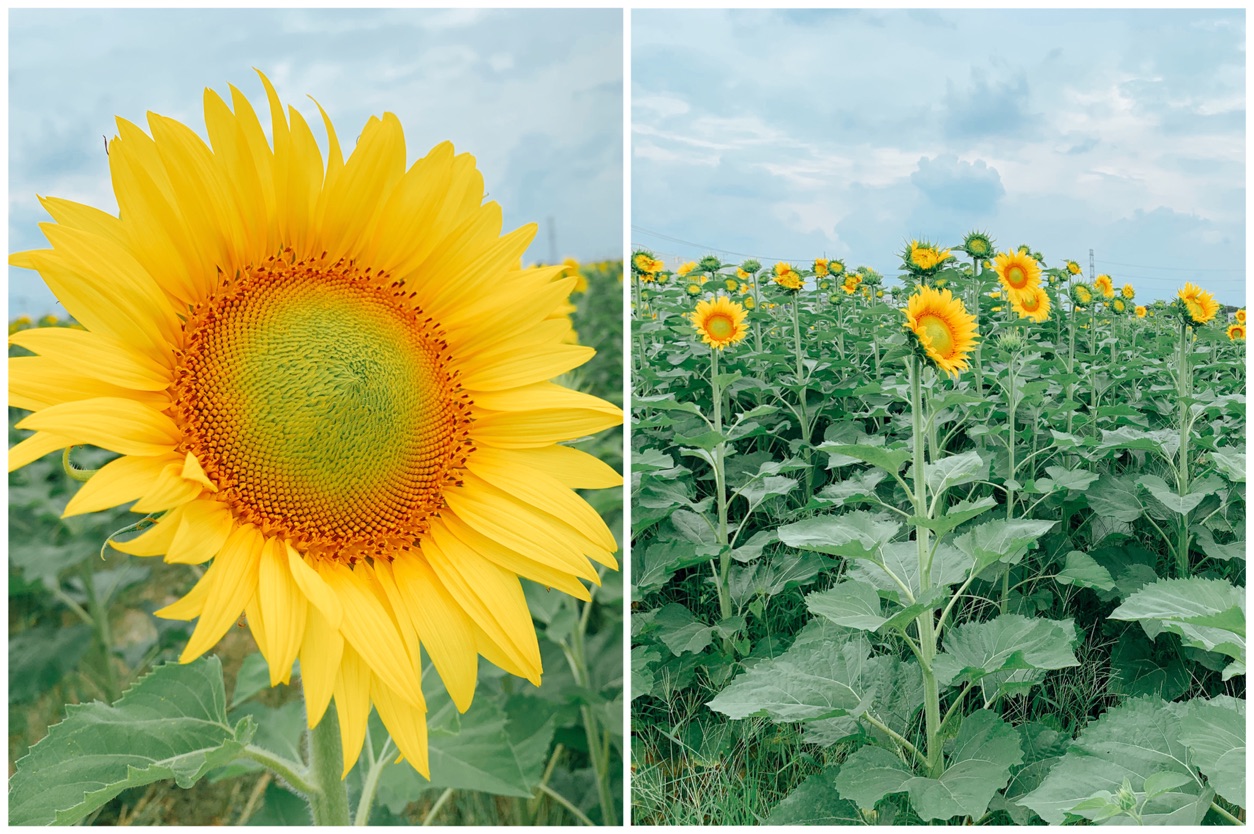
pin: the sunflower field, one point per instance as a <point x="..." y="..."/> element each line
<point x="962" y="547"/>
<point x="147" y="741"/>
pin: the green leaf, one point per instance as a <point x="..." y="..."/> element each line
<point x="1011" y="641"/>
<point x="816" y="679"/>
<point x="680" y="630"/>
<point x="171" y="724"/>
<point x="1214" y="732"/>
<point x="1165" y="442"/>
<point x="1207" y="613"/>
<point x="856" y="535"/>
<point x="959" y="513"/>
<point x="1230" y="463"/>
<point x="851" y="604"/>
<point x="815" y="802"/>
<point x="1165" y="495"/>
<point x="977" y="768"/>
<point x="949" y="567"/>
<point x="860" y="487"/>
<point x="1083" y="571"/>
<point x="956" y="470"/>
<point x="642" y="674"/>
<point x="1115" y="498"/>
<point x="1001" y="541"/>
<point x="253" y="677"/>
<point x="1129" y="743"/>
<point x="1076" y="480"/>
<point x="40" y="657"/>
<point x="769" y="487"/>
<point x="843" y="454"/>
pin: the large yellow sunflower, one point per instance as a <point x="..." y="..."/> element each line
<point x="1240" y="316"/>
<point x="1017" y="270"/>
<point x="1031" y="303"/>
<point x="946" y="331"/>
<point x="720" y="322"/>
<point x="329" y="383"/>
<point x="1104" y="285"/>
<point x="1140" y="311"/>
<point x="787" y="277"/>
<point x="1236" y="332"/>
<point x="1200" y="304"/>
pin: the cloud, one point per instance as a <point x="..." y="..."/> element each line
<point x="949" y="182"/>
<point x="987" y="107"/>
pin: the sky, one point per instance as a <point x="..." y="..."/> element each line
<point x="535" y="95"/>
<point x="791" y="135"/>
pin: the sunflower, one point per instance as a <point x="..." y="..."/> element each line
<point x="648" y="277"/>
<point x="1017" y="270"/>
<point x="977" y="245"/>
<point x="686" y="268"/>
<point x="331" y="383"/>
<point x="731" y="284"/>
<point x="924" y="257"/>
<point x="1118" y="306"/>
<point x="741" y="274"/>
<point x="850" y="286"/>
<point x="642" y="262"/>
<point x="720" y="322"/>
<point x="1140" y="311"/>
<point x="1073" y="267"/>
<point x="787" y="277"/>
<point x="748" y="302"/>
<point x="1199" y="305"/>
<point x="1081" y="295"/>
<point x="820" y="266"/>
<point x="1240" y="316"/>
<point x="1031" y="303"/>
<point x="943" y="327"/>
<point x="1104" y="285"/>
<point x="1236" y="332"/>
<point x="1129" y="292"/>
<point x="694" y="289"/>
<point x="836" y="267"/>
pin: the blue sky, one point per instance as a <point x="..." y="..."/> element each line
<point x="536" y="95"/>
<point x="789" y="135"/>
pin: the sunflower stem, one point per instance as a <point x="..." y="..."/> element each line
<point x="598" y="749"/>
<point x="924" y="622"/>
<point x="104" y="633"/>
<point x="975" y="309"/>
<point x="328" y="794"/>
<point x="801" y="396"/>
<point x="1183" y="392"/>
<point x="720" y="489"/>
<point x="371" y="784"/>
<point x="292" y="773"/>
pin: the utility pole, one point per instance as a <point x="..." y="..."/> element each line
<point x="1092" y="270"/>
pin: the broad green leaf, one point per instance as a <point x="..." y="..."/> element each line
<point x="1164" y="442"/>
<point x="851" y="604"/>
<point x="171" y="724"/>
<point x="663" y="402"/>
<point x="1076" y="480"/>
<point x="856" y="535"/>
<point x="859" y="487"/>
<point x="949" y="567"/>
<point x="1011" y="641"/>
<point x="766" y="578"/>
<point x="809" y="681"/>
<point x="815" y="802"/>
<point x="680" y="631"/>
<point x="956" y="515"/>
<point x="1115" y="498"/>
<point x="769" y="487"/>
<point x="1214" y="732"/>
<point x="253" y="677"/>
<point x="1165" y="495"/>
<point x="1001" y="541"/>
<point x="1230" y="463"/>
<point x="1083" y="571"/>
<point x="694" y="527"/>
<point x="1207" y="613"/>
<point x="1205" y="541"/>
<point x="642" y="675"/>
<point x="843" y="454"/>
<point x="977" y="768"/>
<point x="955" y="470"/>
<point x="1131" y="743"/>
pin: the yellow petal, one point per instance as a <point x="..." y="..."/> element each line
<point x="36" y="382"/>
<point x="233" y="581"/>
<point x="97" y="355"/>
<point x="117" y="482"/>
<point x="156" y="540"/>
<point x="193" y="471"/>
<point x="442" y="625"/>
<point x="170" y="490"/>
<point x="34" y="447"/>
<point x="502" y="470"/>
<point x="202" y="531"/>
<point x="283" y="610"/>
<point x="118" y="425"/>
<point x="528" y="429"/>
<point x="190" y="606"/>
<point x="406" y="725"/>
<point x="369" y="627"/>
<point x="315" y="588"/>
<point x="552" y="573"/>
<point x="320" y="654"/>
<point x="492" y="597"/>
<point x="352" y="704"/>
<point x="574" y="468"/>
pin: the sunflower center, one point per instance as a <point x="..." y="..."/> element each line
<point x="1016" y="277"/>
<point x="940" y="337"/>
<point x="1030" y="302"/>
<point x="322" y="404"/>
<point x="720" y="327"/>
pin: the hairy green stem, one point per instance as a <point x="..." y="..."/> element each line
<point x="1184" y="392"/>
<point x="371" y="785"/>
<point x="720" y="489"/>
<point x="328" y="799"/>
<point x="440" y="802"/>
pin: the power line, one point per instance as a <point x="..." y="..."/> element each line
<point x="1178" y="268"/>
<point x="707" y="248"/>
